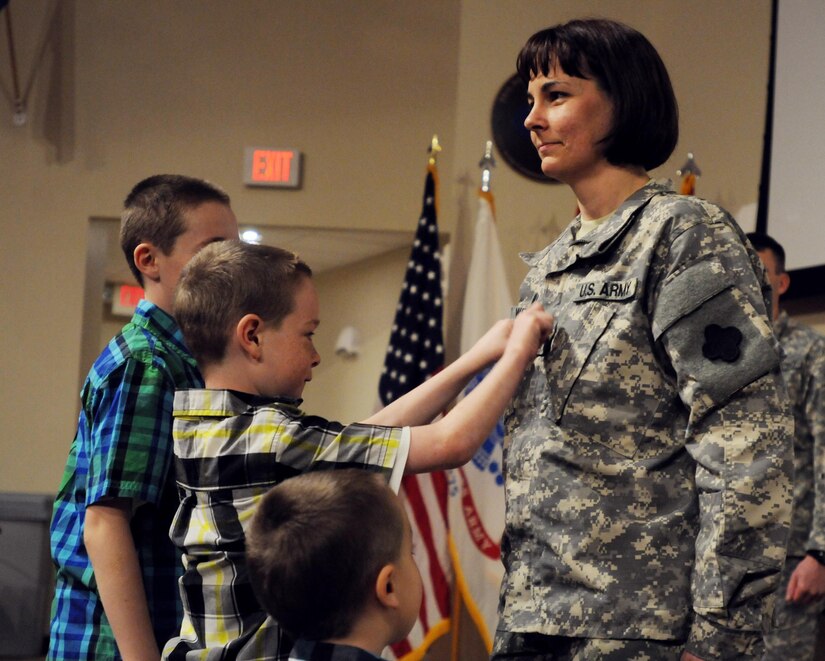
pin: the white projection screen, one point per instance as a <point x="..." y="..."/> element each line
<point x="793" y="176"/>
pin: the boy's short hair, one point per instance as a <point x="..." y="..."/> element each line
<point x="761" y="241"/>
<point x="316" y="546"/>
<point x="626" y="67"/>
<point x="153" y="212"/>
<point x="227" y="280"/>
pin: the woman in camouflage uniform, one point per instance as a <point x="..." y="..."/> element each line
<point x="649" y="458"/>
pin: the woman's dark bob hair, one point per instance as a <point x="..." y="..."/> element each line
<point x="624" y="64"/>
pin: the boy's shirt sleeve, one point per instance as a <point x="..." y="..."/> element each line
<point x="213" y="428"/>
<point x="382" y="449"/>
<point x="131" y="434"/>
<point x="401" y="460"/>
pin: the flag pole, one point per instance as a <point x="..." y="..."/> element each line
<point x="415" y="352"/>
<point x="689" y="171"/>
<point x="487" y="163"/>
<point x="476" y="512"/>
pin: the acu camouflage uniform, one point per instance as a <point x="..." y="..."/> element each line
<point x="803" y="368"/>
<point x="649" y="458"/>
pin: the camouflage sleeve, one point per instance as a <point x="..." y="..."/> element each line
<point x="709" y="320"/>
<point x="815" y="413"/>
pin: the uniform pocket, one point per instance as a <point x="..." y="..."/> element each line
<point x="581" y="326"/>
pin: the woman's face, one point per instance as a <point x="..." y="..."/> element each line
<point x="569" y="117"/>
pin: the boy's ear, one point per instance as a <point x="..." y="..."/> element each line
<point x="145" y="258"/>
<point x="385" y="588"/>
<point x="248" y="334"/>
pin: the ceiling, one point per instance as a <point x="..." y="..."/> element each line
<point x="322" y="248"/>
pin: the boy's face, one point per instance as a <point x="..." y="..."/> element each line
<point x="289" y="349"/>
<point x="408" y="577"/>
<point x="206" y="223"/>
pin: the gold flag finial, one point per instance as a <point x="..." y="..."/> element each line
<point x="434" y="149"/>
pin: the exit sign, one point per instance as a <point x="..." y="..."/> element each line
<point x="125" y="299"/>
<point x="280" y="168"/>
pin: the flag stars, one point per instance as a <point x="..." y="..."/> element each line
<point x="415" y="343"/>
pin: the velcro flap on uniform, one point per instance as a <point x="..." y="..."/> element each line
<point x="720" y="348"/>
<point x="687" y="291"/>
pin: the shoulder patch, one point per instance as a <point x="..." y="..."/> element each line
<point x="722" y="343"/>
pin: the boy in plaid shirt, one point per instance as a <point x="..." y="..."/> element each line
<point x="116" y="583"/>
<point x="248" y="314"/>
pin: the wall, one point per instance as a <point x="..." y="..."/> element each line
<point x="123" y="90"/>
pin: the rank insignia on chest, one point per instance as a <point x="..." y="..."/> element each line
<point x="606" y="290"/>
<point x="722" y="343"/>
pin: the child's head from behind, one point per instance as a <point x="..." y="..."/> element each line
<point x="256" y="306"/>
<point x="162" y="208"/>
<point x="329" y="548"/>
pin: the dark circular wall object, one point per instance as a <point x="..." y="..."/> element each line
<point x="510" y="109"/>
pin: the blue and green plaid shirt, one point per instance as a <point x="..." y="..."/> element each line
<point x="122" y="449"/>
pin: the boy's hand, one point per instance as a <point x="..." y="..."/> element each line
<point x="530" y="330"/>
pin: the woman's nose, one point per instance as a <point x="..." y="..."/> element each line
<point x="533" y="119"/>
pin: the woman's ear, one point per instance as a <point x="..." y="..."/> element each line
<point x="384" y="588"/>
<point x="248" y="334"/>
<point x="145" y="258"/>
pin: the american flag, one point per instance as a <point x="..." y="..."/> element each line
<point x="415" y="352"/>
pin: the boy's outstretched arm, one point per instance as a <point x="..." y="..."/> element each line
<point x="422" y="404"/>
<point x="452" y="440"/>
<point x="111" y="549"/>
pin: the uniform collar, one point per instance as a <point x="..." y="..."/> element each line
<point x="781" y="324"/>
<point x="567" y="249"/>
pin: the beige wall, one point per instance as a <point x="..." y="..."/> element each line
<point x="125" y="89"/>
